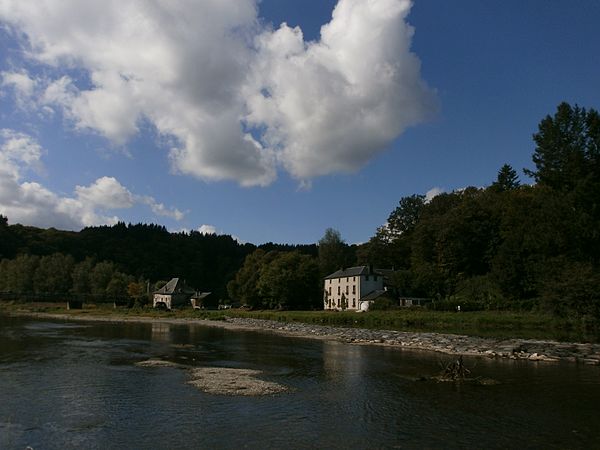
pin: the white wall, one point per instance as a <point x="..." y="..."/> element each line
<point x="166" y="299"/>
<point x="352" y="287"/>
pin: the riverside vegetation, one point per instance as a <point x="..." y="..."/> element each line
<point x="491" y="324"/>
<point x="514" y="256"/>
<point x="467" y="340"/>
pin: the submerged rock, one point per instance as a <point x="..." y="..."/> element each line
<point x="476" y="381"/>
<point x="222" y="380"/>
<point x="157" y="363"/>
<point x="228" y="381"/>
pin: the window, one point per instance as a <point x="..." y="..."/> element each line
<point x="354" y="289"/>
<point x="353" y="278"/>
<point x="338" y="290"/>
<point x="347" y="287"/>
<point x="354" y="303"/>
<point x="329" y="290"/>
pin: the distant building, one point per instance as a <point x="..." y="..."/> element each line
<point x="197" y="300"/>
<point x="355" y="288"/>
<point x="177" y="293"/>
<point x="414" y="301"/>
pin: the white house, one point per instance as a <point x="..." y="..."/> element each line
<point x="353" y="288"/>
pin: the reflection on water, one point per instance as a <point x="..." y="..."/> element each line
<point x="66" y="385"/>
<point x="161" y="332"/>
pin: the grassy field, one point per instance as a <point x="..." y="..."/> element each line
<point x="499" y="324"/>
<point x="480" y="323"/>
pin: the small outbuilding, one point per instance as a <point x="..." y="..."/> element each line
<point x="365" y="302"/>
<point x="197" y="300"/>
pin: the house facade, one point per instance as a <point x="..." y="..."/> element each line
<point x="174" y="293"/>
<point x="353" y="288"/>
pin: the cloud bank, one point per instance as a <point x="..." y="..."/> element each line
<point x="33" y="204"/>
<point x="238" y="100"/>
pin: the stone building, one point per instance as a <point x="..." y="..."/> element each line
<point x="354" y="288"/>
<point x="174" y="293"/>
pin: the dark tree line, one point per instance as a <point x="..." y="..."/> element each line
<point x="148" y="252"/>
<point x="59" y="274"/>
<point x="509" y="245"/>
<point x="278" y="280"/>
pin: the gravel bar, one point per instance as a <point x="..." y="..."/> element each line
<point x="455" y="344"/>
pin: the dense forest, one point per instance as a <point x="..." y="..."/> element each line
<point x="106" y="260"/>
<point x="506" y="246"/>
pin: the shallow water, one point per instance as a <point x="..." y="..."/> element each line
<point x="67" y="385"/>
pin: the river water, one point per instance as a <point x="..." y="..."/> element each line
<point x="76" y="385"/>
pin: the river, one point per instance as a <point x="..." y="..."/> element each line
<point x="77" y="385"/>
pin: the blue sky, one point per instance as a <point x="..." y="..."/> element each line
<point x="101" y="122"/>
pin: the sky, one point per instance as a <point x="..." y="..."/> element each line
<point x="273" y="120"/>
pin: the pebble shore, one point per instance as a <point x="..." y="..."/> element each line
<point x="523" y="349"/>
<point x="452" y="344"/>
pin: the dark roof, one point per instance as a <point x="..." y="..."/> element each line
<point x="357" y="271"/>
<point x="374" y="294"/>
<point x="175" y="286"/>
<point x="349" y="272"/>
<point x="201" y="295"/>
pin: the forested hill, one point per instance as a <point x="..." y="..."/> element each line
<point x="509" y="245"/>
<point x="141" y="251"/>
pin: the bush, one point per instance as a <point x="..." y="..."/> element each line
<point x="452" y="303"/>
<point x="383" y="304"/>
<point x="571" y="288"/>
<point x="479" y="292"/>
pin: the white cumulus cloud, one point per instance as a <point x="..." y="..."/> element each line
<point x="207" y="229"/>
<point x="19" y="149"/>
<point x="160" y="209"/>
<point x="239" y="100"/>
<point x="22" y="84"/>
<point x="433" y="192"/>
<point x="105" y="192"/>
<point x="30" y="203"/>
<point x="331" y="105"/>
<point x="211" y="229"/>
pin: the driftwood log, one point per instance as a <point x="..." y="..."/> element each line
<point x="455" y="370"/>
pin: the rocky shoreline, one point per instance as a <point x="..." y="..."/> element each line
<point x="523" y="349"/>
<point x="453" y="344"/>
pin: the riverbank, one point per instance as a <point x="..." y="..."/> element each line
<point x="452" y="344"/>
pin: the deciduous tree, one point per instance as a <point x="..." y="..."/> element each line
<point x="333" y="252"/>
